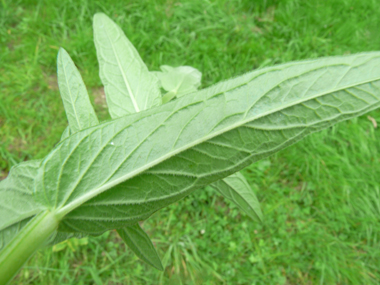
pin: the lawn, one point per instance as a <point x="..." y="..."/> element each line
<point x="320" y="197"/>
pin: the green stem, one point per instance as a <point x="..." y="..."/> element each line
<point x="27" y="242"/>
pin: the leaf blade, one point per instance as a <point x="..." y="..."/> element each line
<point x="163" y="166"/>
<point x="236" y="188"/>
<point x="66" y="133"/>
<point x="122" y="71"/>
<point x="139" y="242"/>
<point x="79" y="110"/>
<point x="179" y="81"/>
<point x="17" y="205"/>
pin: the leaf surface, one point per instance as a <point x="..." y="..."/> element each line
<point x="156" y="157"/>
<point x="178" y="81"/>
<point x="139" y="242"/>
<point x="77" y="106"/>
<point x="183" y="80"/>
<point x="79" y="111"/>
<point x="122" y="71"/>
<point x="17" y="205"/>
<point x="236" y="188"/>
<point x="66" y="133"/>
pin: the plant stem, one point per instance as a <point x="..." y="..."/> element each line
<point x="27" y="242"/>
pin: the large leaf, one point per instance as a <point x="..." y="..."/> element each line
<point x="139" y="242"/>
<point x="122" y="71"/>
<point x="79" y="111"/>
<point x="156" y="157"/>
<point x="236" y="188"/>
<point x="17" y="205"/>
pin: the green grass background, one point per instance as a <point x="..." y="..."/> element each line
<point x="320" y="197"/>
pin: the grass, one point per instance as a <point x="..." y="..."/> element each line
<point x="320" y="198"/>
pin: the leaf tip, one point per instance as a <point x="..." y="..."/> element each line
<point x="62" y="52"/>
<point x="160" y="267"/>
<point x="98" y="17"/>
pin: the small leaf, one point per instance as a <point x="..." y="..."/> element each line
<point x="79" y="110"/>
<point x="140" y="243"/>
<point x="236" y="188"/>
<point x="178" y="81"/>
<point x="128" y="84"/>
<point x="72" y="243"/>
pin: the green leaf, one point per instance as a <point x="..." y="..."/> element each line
<point x="236" y="188"/>
<point x="66" y="133"/>
<point x="140" y="243"/>
<point x="155" y="157"/>
<point x="183" y="80"/>
<point x="77" y="106"/>
<point x="79" y="111"/>
<point x="16" y="192"/>
<point x="122" y="71"/>
<point x="178" y="81"/>
<point x="17" y="205"/>
<point x="127" y="97"/>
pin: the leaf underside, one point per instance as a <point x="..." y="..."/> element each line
<point x="17" y="205"/>
<point x="158" y="175"/>
<point x="156" y="157"/>
<point x="183" y="80"/>
<point x="180" y="80"/>
<point x="236" y="188"/>
<point x="114" y="174"/>
<point x="121" y="70"/>
<point x="139" y="242"/>
<point x="74" y="95"/>
<point x="66" y="133"/>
